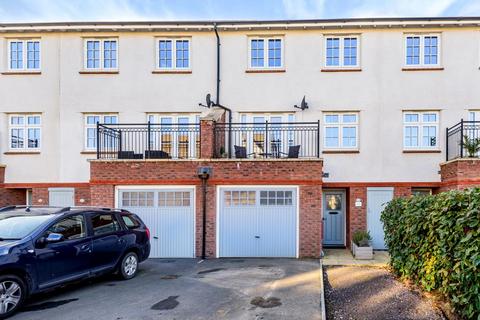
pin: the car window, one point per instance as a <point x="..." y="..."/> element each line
<point x="72" y="227"/>
<point x="130" y="221"/>
<point x="104" y="223"/>
<point x="17" y="227"/>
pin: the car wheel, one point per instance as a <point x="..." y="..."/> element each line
<point x="12" y="295"/>
<point x="129" y="266"/>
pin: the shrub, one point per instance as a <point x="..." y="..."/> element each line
<point x="435" y="242"/>
<point x="472" y="146"/>
<point x="361" y="238"/>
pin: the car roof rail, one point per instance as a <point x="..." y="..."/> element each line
<point x="64" y="209"/>
<point x="7" y="208"/>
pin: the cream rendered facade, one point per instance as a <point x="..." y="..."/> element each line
<point x="379" y="92"/>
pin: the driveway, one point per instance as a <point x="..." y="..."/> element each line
<point x="187" y="289"/>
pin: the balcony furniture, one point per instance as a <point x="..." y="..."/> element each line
<point x="129" y="155"/>
<point x="157" y="154"/>
<point x="293" y="152"/>
<point x="241" y="152"/>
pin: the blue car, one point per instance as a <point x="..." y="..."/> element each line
<point x="44" y="247"/>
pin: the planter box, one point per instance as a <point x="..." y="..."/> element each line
<point x="362" y="253"/>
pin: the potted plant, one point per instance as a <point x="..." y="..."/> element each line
<point x="472" y="146"/>
<point x="361" y="245"/>
<point x="223" y="154"/>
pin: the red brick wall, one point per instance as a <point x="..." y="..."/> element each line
<point x="460" y="174"/>
<point x="10" y="197"/>
<point x="357" y="216"/>
<point x="82" y="193"/>
<point x="402" y="192"/>
<point x="105" y="175"/>
<point x="40" y="196"/>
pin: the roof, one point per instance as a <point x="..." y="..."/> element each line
<point x="234" y="25"/>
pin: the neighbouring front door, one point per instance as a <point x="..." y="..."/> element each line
<point x="334" y="218"/>
<point x="377" y="198"/>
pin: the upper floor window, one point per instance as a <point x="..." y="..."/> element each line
<point x="341" y="130"/>
<point x="342" y="51"/>
<point x="101" y="54"/>
<point x="474" y="115"/>
<point x="25" y="132"/>
<point x="266" y="52"/>
<point x="91" y="121"/>
<point x="420" y="130"/>
<point x="173" y="53"/>
<point x="422" y="50"/>
<point x="23" y="54"/>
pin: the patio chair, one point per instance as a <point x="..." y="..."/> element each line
<point x="293" y="152"/>
<point x="241" y="152"/>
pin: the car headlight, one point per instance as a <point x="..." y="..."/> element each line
<point x="4" y="251"/>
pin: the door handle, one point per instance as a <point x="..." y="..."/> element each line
<point x="257" y="237"/>
<point x="156" y="238"/>
<point x="85" y="247"/>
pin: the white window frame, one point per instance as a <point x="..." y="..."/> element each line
<point x="340" y="125"/>
<point x="421" y="124"/>
<point x="90" y="126"/>
<point x="341" y="55"/>
<point x="174" y="53"/>
<point x="24" y="42"/>
<point x="25" y="126"/>
<point x="265" y="53"/>
<point x="473" y="115"/>
<point x="102" y="58"/>
<point x="422" y="50"/>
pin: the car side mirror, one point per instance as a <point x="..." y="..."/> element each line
<point x="54" y="237"/>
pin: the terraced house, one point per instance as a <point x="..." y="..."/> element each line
<point x="311" y="126"/>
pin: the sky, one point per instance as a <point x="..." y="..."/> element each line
<point x="138" y="10"/>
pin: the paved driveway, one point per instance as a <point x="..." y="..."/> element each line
<point x="186" y="289"/>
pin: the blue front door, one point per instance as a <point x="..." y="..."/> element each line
<point x="334" y="218"/>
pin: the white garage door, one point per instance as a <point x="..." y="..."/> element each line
<point x="257" y="222"/>
<point x="169" y="214"/>
<point x="377" y="198"/>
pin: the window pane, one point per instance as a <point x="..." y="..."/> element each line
<point x="71" y="227"/>
<point x="350" y="52"/>
<point x="349" y="118"/>
<point x="274" y="53"/>
<point x="93" y="119"/>
<point x="34" y="138"/>
<point x="110" y="54"/>
<point x="93" y="54"/>
<point x="33" y="54"/>
<point x="411" y="117"/>
<point x="411" y="136"/>
<point x="349" y="137"/>
<point x="431" y="50"/>
<point x="105" y="223"/>
<point x="165" y="53"/>
<point x="331" y="137"/>
<point x="16" y="139"/>
<point x="429" y="136"/>
<point x="429" y="117"/>
<point x="257" y="53"/>
<point x="182" y="54"/>
<point x="331" y="118"/>
<point x="413" y="51"/>
<point x="333" y="51"/>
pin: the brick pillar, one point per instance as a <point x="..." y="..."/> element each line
<point x="357" y="216"/>
<point x="2" y="173"/>
<point x="40" y="196"/>
<point x="102" y="195"/>
<point x="207" y="139"/>
<point x="310" y="221"/>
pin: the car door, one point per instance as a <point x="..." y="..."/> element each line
<point x="67" y="259"/>
<point x="108" y="241"/>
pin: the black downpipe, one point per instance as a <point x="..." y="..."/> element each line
<point x="217" y="104"/>
<point x="204" y="215"/>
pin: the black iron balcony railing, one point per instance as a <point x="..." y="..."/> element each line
<point x="267" y="140"/>
<point x="148" y="141"/>
<point x="463" y="140"/>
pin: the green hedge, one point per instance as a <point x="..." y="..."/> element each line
<point x="435" y="242"/>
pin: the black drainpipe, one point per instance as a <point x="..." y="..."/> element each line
<point x="218" y="104"/>
<point x="204" y="173"/>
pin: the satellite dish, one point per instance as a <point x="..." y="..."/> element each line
<point x="209" y="100"/>
<point x="303" y="105"/>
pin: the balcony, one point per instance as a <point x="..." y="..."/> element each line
<point x="148" y="141"/>
<point x="208" y="139"/>
<point x="463" y="140"/>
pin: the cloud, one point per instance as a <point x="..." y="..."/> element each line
<point x="303" y="9"/>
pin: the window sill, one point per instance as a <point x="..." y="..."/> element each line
<point x="423" y="69"/>
<point x="422" y="151"/>
<point x="21" y="152"/>
<point x="99" y="72"/>
<point x="23" y="73"/>
<point x="341" y="70"/>
<point x="265" y="70"/>
<point x="171" y="71"/>
<point x="340" y="151"/>
<point x="88" y="152"/>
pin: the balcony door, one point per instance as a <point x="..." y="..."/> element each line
<point x="266" y="139"/>
<point x="173" y="134"/>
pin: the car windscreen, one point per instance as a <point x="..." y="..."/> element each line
<point x="17" y="227"/>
